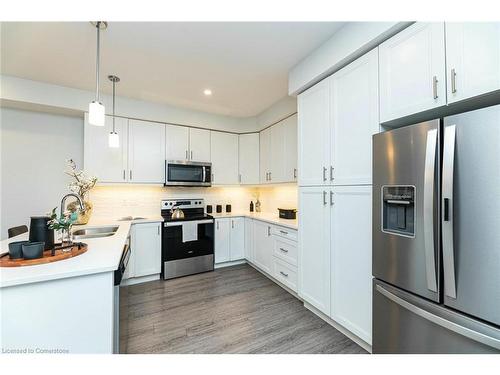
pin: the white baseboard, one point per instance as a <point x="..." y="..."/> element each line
<point x="139" y="280"/>
<point x="338" y="327"/>
<point x="229" y="264"/>
<point x="293" y="293"/>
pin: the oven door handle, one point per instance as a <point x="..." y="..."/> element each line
<point x="178" y="223"/>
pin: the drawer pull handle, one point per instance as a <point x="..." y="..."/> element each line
<point x="283" y="232"/>
<point x="284" y="274"/>
<point x="284" y="250"/>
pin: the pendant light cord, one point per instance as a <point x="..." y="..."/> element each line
<point x="114" y="83"/>
<point x="97" y="98"/>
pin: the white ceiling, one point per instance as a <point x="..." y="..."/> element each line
<point x="244" y="64"/>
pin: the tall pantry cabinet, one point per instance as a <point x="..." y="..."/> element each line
<point x="337" y="119"/>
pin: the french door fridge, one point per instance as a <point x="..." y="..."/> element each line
<point x="436" y="236"/>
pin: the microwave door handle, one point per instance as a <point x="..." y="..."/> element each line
<point x="450" y="289"/>
<point x="204" y="174"/>
<point x="429" y="189"/>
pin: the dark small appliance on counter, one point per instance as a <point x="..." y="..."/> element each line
<point x="209" y="208"/>
<point x="218" y="208"/>
<point x="228" y="208"/>
<point x="287" y="213"/>
<point x="40" y="232"/>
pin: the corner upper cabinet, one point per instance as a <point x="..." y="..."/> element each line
<point x="291" y="142"/>
<point x="146" y="150"/>
<point x="199" y="145"/>
<point x="265" y="156"/>
<point x="224" y="150"/>
<point x="176" y="142"/>
<point x="412" y="71"/>
<point x="472" y="59"/>
<point x="314" y="135"/>
<point x="108" y="164"/>
<point x="248" y="149"/>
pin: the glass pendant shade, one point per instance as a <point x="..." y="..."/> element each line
<point x="114" y="140"/>
<point x="96" y="113"/>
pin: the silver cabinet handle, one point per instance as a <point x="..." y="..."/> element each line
<point x="124" y="175"/>
<point x="270" y="176"/>
<point x="438" y="320"/>
<point x="435" y="87"/>
<point x="324" y="173"/>
<point x="187" y="157"/>
<point x="283" y="232"/>
<point x="331" y="173"/>
<point x="191" y="155"/>
<point x="232" y="224"/>
<point x="268" y="231"/>
<point x="331" y="198"/>
<point x="217" y="224"/>
<point x="294" y="173"/>
<point x="284" y="250"/>
<point x="429" y="181"/>
<point x="447" y="212"/>
<point x="158" y="230"/>
<point x="213" y="177"/>
<point x="130" y="175"/>
<point x="239" y="178"/>
<point x="284" y="274"/>
<point x="453" y="81"/>
<point x="324" y="198"/>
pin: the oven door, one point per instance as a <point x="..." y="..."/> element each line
<point x="184" y="258"/>
<point x="186" y="173"/>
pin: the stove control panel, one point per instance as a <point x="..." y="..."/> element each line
<point x="168" y="204"/>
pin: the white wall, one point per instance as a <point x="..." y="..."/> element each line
<point x="347" y="44"/>
<point x="278" y="111"/>
<point x="34" y="147"/>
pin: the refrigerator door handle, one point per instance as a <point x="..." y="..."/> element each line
<point x="447" y="215"/>
<point x="445" y="323"/>
<point x="429" y="186"/>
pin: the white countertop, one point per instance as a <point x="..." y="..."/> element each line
<point x="268" y="217"/>
<point x="103" y="255"/>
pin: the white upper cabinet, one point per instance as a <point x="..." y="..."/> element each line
<point x="108" y="164"/>
<point x="314" y="134"/>
<point x="472" y="59"/>
<point x="277" y="160"/>
<point x="177" y="142"/>
<point x="265" y="156"/>
<point x="354" y="119"/>
<point x="199" y="145"/>
<point x="146" y="150"/>
<point x="224" y="150"/>
<point x="412" y="71"/>
<point x="351" y="252"/>
<point x="249" y="158"/>
<point x="290" y="138"/>
<point x="314" y="247"/>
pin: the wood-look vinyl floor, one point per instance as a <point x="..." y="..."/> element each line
<point x="231" y="310"/>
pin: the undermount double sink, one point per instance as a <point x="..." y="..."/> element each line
<point x="94" y="232"/>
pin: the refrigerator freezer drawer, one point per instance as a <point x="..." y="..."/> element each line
<point x="404" y="323"/>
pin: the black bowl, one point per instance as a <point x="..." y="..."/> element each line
<point x="16" y="249"/>
<point x="33" y="250"/>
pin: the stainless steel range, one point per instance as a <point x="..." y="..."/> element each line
<point x="187" y="238"/>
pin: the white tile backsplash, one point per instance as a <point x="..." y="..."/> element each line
<point x="116" y="201"/>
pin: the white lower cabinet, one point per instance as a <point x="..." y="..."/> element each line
<point x="229" y="239"/>
<point x="285" y="273"/>
<point x="262" y="246"/>
<point x="314" y="247"/>
<point x="145" y="247"/>
<point x="351" y="259"/>
<point x="249" y="249"/>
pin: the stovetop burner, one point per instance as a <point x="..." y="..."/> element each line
<point x="194" y="209"/>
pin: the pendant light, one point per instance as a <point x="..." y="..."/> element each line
<point x="96" y="109"/>
<point x="114" y="140"/>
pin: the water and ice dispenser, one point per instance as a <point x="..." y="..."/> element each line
<point x="398" y="210"/>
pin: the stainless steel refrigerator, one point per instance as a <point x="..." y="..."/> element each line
<point x="436" y="236"/>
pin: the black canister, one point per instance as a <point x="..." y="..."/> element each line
<point x="209" y="209"/>
<point x="40" y="232"/>
<point x="218" y="208"/>
<point x="228" y="208"/>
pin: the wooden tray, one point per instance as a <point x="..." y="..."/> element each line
<point x="78" y="248"/>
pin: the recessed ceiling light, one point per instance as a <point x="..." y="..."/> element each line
<point x="207" y="92"/>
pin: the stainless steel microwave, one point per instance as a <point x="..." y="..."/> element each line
<point x="187" y="173"/>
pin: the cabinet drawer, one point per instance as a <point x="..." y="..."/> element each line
<point x="285" y="250"/>
<point x="291" y="234"/>
<point x="285" y="273"/>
